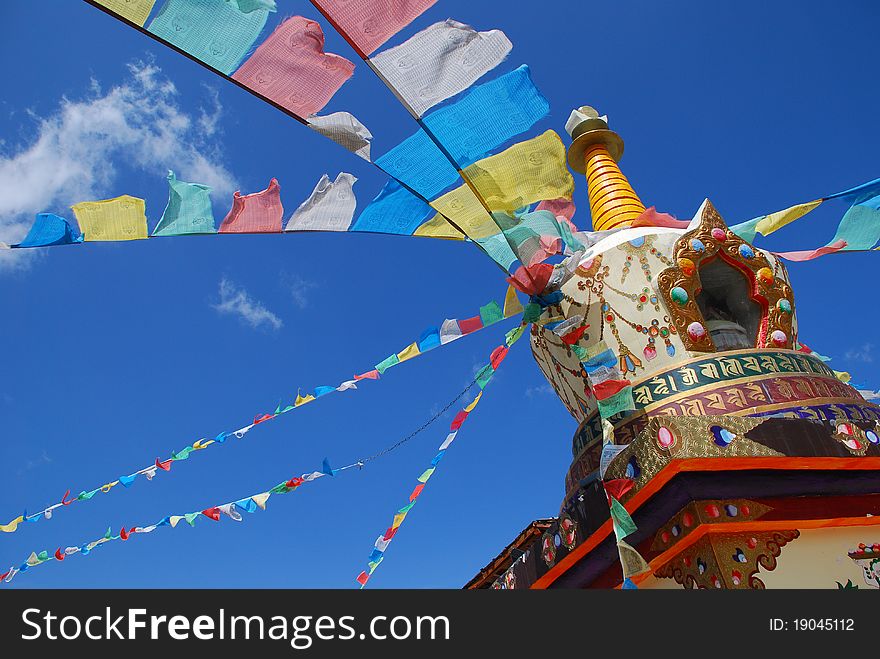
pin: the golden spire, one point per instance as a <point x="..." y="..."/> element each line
<point x="594" y="151"/>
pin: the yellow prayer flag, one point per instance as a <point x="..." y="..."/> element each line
<point x="470" y="408"/>
<point x="527" y="172"/>
<point x="10" y="528"/>
<point x="174" y="519"/>
<point x="202" y="443"/>
<point x="777" y="220"/>
<point x="302" y="400"/>
<point x="843" y="376"/>
<point x="261" y="499"/>
<point x="409" y="352"/>
<point x="398" y="520"/>
<point x="137" y="11"/>
<point x="512" y="305"/>
<point x="121" y="218"/>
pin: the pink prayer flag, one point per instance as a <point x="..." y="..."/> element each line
<point x="810" y="254"/>
<point x="370" y="23"/>
<point x="292" y="69"/>
<point x="651" y="218"/>
<point x="259" y="212"/>
<point x="559" y="207"/>
<point x="369" y="375"/>
<point x="549" y="247"/>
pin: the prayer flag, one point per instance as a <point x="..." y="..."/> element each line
<point x="440" y="62"/>
<point x="370" y="23"/>
<point x="259" y="212"/>
<point x="136" y="11"/>
<point x="330" y="207"/>
<point x="346" y="130"/>
<point x="120" y="218"/>
<point x="188" y="210"/>
<point x="291" y="68"/>
<point x="50" y="229"/>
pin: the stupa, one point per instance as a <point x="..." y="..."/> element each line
<point x="742" y="459"/>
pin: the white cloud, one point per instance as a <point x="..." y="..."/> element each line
<point x="76" y="152"/>
<point x="862" y="354"/>
<point x="299" y="289"/>
<point x="541" y="390"/>
<point x="236" y="301"/>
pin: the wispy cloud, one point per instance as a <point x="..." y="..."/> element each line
<point x="76" y="152"/>
<point x="863" y="354"/>
<point x="541" y="390"/>
<point x="299" y="289"/>
<point x="30" y="464"/>
<point x="236" y="301"/>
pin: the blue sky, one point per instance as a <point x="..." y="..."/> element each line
<point x="117" y="353"/>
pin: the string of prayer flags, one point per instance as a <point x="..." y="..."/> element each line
<point x="441" y="61"/>
<point x="483" y="119"/>
<point x="330" y="207"/>
<point x="612" y="391"/>
<point x="346" y="130"/>
<point x="188" y="210"/>
<point x="50" y="229"/>
<point x="429" y="339"/>
<point x="377" y="555"/>
<point x="217" y="32"/>
<point x="621" y="520"/>
<point x="291" y="68"/>
<point x="120" y="218"/>
<point x="258" y="212"/>
<point x="370" y="23"/>
<point x="136" y="11"/>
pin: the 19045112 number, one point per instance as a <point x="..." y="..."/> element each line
<point x="824" y="624"/>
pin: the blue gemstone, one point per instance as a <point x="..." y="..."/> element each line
<point x="697" y="245"/>
<point x="670" y="350"/>
<point x="722" y="436"/>
<point x="746" y="252"/>
<point x="637" y="242"/>
<point x="872" y="437"/>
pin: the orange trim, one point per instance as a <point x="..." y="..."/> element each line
<point x="754" y="525"/>
<point x="676" y="467"/>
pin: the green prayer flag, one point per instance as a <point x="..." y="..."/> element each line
<point x="426" y="475"/>
<point x="491" y="313"/>
<point x="109" y="534"/>
<point x="188" y="210"/>
<point x="387" y="363"/>
<point x="532" y="312"/>
<point x="407" y="507"/>
<point x="513" y="335"/>
<point x="582" y="353"/>
<point x="191" y="518"/>
<point x="622" y="401"/>
<point x="484" y="375"/>
<point x="623" y="523"/>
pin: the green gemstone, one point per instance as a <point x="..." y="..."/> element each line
<point x="679" y="296"/>
<point x="784" y="305"/>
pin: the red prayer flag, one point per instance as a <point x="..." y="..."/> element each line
<point x="607" y="388"/>
<point x="390" y="533"/>
<point x="498" y="356"/>
<point x="369" y="375"/>
<point x="362" y="578"/>
<point x="213" y="513"/>
<point x="4" y="575"/>
<point x="123" y="534"/>
<point x="458" y="420"/>
<point x="64" y="500"/>
<point x="164" y="466"/>
<point x="618" y="487"/>
<point x="531" y="280"/>
<point x="260" y="419"/>
<point x="416" y="492"/>
<point x="469" y="325"/>
<point x="574" y="336"/>
<point x="59" y="556"/>
<point x="296" y="481"/>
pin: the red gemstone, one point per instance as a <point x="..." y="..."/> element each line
<point x="752" y="543"/>
<point x="745" y="509"/>
<point x="687" y="519"/>
<point x="664" y="537"/>
<point x="712" y="510"/>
